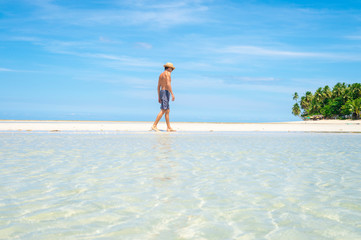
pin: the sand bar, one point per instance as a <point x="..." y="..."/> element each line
<point x="86" y="126"/>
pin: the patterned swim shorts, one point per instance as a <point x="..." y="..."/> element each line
<point x="164" y="96"/>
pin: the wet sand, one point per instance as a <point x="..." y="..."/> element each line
<point x="95" y="126"/>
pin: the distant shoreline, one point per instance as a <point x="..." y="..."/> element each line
<point x="346" y="126"/>
<point x="120" y="121"/>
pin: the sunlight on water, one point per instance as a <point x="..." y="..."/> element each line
<point x="180" y="186"/>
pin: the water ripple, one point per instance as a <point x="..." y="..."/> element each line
<point x="180" y="186"/>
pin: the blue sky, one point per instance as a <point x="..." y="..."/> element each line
<point x="236" y="61"/>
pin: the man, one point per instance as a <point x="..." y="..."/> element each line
<point x="164" y="90"/>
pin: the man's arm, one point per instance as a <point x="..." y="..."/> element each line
<point x="158" y="90"/>
<point x="170" y="86"/>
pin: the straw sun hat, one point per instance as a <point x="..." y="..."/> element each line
<point x="170" y="65"/>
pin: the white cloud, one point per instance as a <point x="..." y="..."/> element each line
<point x="210" y="84"/>
<point x="260" y="51"/>
<point x="25" y="39"/>
<point x="355" y="37"/>
<point x="104" y="39"/>
<point x="84" y="49"/>
<point x="142" y="13"/>
<point x="143" y="45"/>
<point x="267" y="88"/>
<point x="254" y="79"/>
<point x="247" y="50"/>
<point x="6" y="70"/>
<point x="151" y="4"/>
<point x="120" y="80"/>
<point x="124" y="60"/>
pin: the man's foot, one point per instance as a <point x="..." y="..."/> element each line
<point x="154" y="128"/>
<point x="170" y="130"/>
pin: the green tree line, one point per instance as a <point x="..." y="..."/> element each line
<point x="342" y="101"/>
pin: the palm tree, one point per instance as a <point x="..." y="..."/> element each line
<point x="339" y="90"/>
<point x="355" y="90"/>
<point x="296" y="109"/>
<point x="318" y="95"/>
<point x="356" y="104"/>
<point x="316" y="107"/>
<point x="295" y="96"/>
<point x="317" y="102"/>
<point x="341" y="101"/>
<point x="347" y="93"/>
<point x="352" y="107"/>
<point x="347" y="109"/>
<point x="306" y="102"/>
<point x="309" y="96"/>
<point x="326" y="91"/>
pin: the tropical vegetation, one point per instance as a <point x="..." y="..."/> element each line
<point x="341" y="102"/>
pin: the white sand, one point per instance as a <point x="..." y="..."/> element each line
<point x="81" y="126"/>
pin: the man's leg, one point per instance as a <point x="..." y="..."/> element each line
<point x="160" y="115"/>
<point x="169" y="129"/>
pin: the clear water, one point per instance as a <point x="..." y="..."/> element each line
<point x="180" y="186"/>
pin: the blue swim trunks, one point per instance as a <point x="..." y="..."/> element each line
<point x="164" y="96"/>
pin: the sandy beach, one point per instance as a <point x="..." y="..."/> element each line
<point x="81" y="126"/>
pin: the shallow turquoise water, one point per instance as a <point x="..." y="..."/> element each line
<point x="180" y="186"/>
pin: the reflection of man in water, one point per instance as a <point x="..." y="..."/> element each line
<point x="164" y="90"/>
